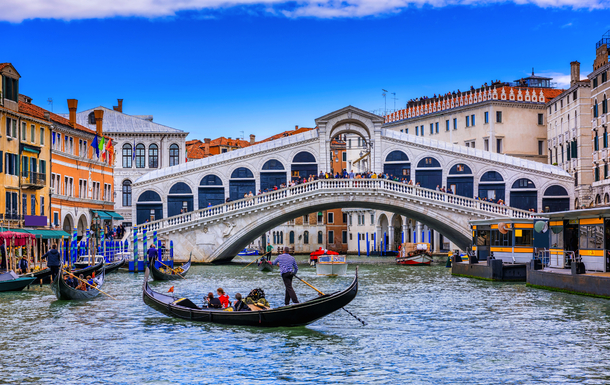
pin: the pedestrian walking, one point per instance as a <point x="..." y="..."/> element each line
<point x="288" y="269"/>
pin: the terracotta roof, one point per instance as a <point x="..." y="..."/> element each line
<point x="222" y="141"/>
<point x="3" y="65"/>
<point x="285" y="134"/>
<point x="38" y="112"/>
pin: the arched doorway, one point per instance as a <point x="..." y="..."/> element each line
<point x="149" y="207"/>
<point x="460" y="180"/>
<point x="68" y="225"/>
<point x="272" y="174"/>
<point x="241" y="183"/>
<point x="397" y="164"/>
<point x="398" y="235"/>
<point x="211" y="191"/>
<point x="555" y="198"/>
<point x="523" y="195"/>
<point x="492" y="186"/>
<point x="384" y="235"/>
<point x="303" y="165"/>
<point x="179" y="200"/>
<point x="429" y="173"/>
<point x="82" y="227"/>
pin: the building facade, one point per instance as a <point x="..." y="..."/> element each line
<point x="24" y="156"/>
<point x="493" y="118"/>
<point x="569" y="135"/>
<point x="141" y="146"/>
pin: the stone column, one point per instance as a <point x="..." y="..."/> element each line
<point x="390" y="238"/>
<point x="418" y="235"/>
<point x="379" y="238"/>
<point x="437" y="241"/>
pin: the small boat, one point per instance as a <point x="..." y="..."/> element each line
<point x="293" y="315"/>
<point x="330" y="263"/>
<point x="159" y="275"/>
<point x="43" y="274"/>
<point x="265" y="264"/>
<point x="88" y="270"/>
<point x="85" y="261"/>
<point x="9" y="281"/>
<point x="114" y="266"/>
<point x="63" y="291"/>
<point x="414" y="254"/>
<point x="247" y="252"/>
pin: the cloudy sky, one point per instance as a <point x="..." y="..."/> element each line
<point x="241" y="67"/>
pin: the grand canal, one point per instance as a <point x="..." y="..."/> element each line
<point x="425" y="326"/>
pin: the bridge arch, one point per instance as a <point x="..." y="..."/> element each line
<point x="211" y="191"/>
<point x="179" y="199"/>
<point x="149" y="207"/>
<point x="460" y="179"/>
<point x="273" y="173"/>
<point x="242" y="182"/>
<point x="429" y="172"/>
<point x="523" y="194"/>
<point x="303" y="164"/>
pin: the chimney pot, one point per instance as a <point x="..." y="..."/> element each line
<point x="72" y="105"/>
<point x="252" y="138"/>
<point x="47" y="115"/>
<point x="99" y="117"/>
<point x="296" y="127"/>
<point x="574" y="72"/>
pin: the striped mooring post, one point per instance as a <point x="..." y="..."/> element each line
<point x="135" y="249"/>
<point x="145" y="244"/>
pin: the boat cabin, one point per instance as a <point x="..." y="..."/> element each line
<point x="580" y="233"/>
<point x="513" y="240"/>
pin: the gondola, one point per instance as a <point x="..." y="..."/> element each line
<point x="9" y="281"/>
<point x="158" y="275"/>
<point x="63" y="291"/>
<point x="88" y="270"/>
<point x="114" y="266"/>
<point x="43" y="274"/>
<point x="293" y="315"/>
<point x="264" y="264"/>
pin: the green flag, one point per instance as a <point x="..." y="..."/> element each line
<point x="100" y="144"/>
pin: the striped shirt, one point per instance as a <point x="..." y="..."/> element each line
<point x="287" y="263"/>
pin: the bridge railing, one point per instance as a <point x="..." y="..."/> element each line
<point x="336" y="184"/>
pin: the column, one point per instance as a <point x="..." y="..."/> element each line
<point x="418" y="233"/>
<point x="437" y="241"/>
<point x="390" y="238"/>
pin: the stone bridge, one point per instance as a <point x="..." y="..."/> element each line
<point x="219" y="232"/>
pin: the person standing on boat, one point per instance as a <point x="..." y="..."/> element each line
<point x="53" y="261"/>
<point x="288" y="269"/>
<point x="152" y="254"/>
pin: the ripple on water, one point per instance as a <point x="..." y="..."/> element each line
<point x="425" y="326"/>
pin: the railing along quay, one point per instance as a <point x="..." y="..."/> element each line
<point x="354" y="185"/>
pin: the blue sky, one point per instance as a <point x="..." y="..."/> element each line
<point x="213" y="69"/>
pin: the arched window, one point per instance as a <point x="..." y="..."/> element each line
<point x="140" y="156"/>
<point x="127" y="155"/>
<point x="306" y="237"/>
<point x="397" y="156"/>
<point x="273" y="165"/>
<point x="523" y="183"/>
<point x="281" y="236"/>
<point x="320" y="237"/>
<point x="174" y="155"/>
<point x="153" y="156"/>
<point x="304" y="157"/>
<point x="274" y="238"/>
<point x="91" y="118"/>
<point x="126" y="193"/>
<point x="291" y="237"/>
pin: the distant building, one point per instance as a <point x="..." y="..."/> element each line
<point x="505" y="118"/>
<point x="569" y="136"/>
<point x="141" y="146"/>
<point x="196" y="149"/>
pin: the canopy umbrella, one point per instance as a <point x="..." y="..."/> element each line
<point x="322" y="251"/>
<point x="20" y="238"/>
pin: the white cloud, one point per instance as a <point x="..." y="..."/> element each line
<point x="19" y="10"/>
<point x="562" y="80"/>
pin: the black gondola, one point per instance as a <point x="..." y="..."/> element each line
<point x="89" y="270"/>
<point x="44" y="275"/>
<point x="114" y="266"/>
<point x="293" y="315"/>
<point x="63" y="291"/>
<point x="158" y="275"/>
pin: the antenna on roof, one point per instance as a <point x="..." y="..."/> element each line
<point x="532" y="71"/>
<point x="242" y="135"/>
<point x="50" y="101"/>
<point x="395" y="99"/>
<point x="385" y="104"/>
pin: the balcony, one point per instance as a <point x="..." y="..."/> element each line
<point x="35" y="180"/>
<point x="566" y="135"/>
<point x="595" y="156"/>
<point x="594" y="123"/>
<point x="603" y="119"/>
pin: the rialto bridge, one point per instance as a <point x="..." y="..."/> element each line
<point x="219" y="232"/>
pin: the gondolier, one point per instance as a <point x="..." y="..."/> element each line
<point x="53" y="261"/>
<point x="152" y="254"/>
<point x="288" y="268"/>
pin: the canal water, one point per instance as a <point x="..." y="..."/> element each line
<point x="425" y="327"/>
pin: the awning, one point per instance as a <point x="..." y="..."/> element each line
<point x="102" y="214"/>
<point x="50" y="234"/>
<point x="115" y="215"/>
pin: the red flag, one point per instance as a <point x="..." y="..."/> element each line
<point x="171" y="290"/>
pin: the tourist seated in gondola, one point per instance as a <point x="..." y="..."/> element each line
<point x="223" y="298"/>
<point x="71" y="281"/>
<point x="81" y="285"/>
<point x="213" y="303"/>
<point x="256" y="298"/>
<point x="91" y="282"/>
<point x="239" y="305"/>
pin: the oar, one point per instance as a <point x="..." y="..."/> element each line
<point x="173" y="270"/>
<point x="348" y="312"/>
<point x="87" y="283"/>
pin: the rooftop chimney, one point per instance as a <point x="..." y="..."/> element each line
<point x="296" y="128"/>
<point x="99" y="116"/>
<point x="72" y="104"/>
<point x="207" y="140"/>
<point x="252" y="139"/>
<point x="574" y="72"/>
<point x="119" y="108"/>
<point x="47" y="115"/>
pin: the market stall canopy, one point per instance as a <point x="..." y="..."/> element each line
<point x="108" y="215"/>
<point x="20" y="238"/>
<point x="39" y="233"/>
